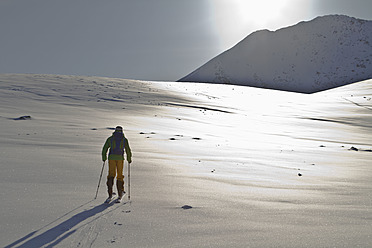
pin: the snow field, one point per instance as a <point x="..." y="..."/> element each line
<point x="213" y="165"/>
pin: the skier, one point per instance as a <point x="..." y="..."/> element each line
<point x="117" y="144"/>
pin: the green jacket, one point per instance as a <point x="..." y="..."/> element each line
<point x="107" y="145"/>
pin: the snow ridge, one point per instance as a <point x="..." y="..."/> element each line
<point x="324" y="53"/>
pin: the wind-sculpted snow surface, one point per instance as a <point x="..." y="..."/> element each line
<point x="321" y="54"/>
<point x="213" y="165"/>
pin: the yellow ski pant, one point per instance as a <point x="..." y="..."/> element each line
<point x="116" y="166"/>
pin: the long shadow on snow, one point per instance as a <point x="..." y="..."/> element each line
<point x="61" y="231"/>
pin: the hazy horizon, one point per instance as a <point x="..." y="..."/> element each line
<point x="162" y="40"/>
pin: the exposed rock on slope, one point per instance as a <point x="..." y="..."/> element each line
<point x="324" y="53"/>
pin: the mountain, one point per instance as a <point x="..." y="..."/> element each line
<point x="324" y="53"/>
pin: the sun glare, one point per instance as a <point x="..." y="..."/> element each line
<point x="260" y="12"/>
<point x="235" y="19"/>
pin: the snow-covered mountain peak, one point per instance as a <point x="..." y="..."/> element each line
<point x="320" y="54"/>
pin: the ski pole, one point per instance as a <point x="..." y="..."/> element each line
<point x="100" y="179"/>
<point x="128" y="181"/>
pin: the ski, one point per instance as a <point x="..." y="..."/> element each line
<point x="109" y="199"/>
<point x="118" y="200"/>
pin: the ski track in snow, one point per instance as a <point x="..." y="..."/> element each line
<point x="81" y="227"/>
<point x="213" y="166"/>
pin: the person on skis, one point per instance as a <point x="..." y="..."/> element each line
<point x="117" y="144"/>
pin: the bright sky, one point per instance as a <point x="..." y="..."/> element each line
<point x="142" y="39"/>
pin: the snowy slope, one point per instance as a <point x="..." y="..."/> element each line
<point x="213" y="165"/>
<point x="324" y="53"/>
